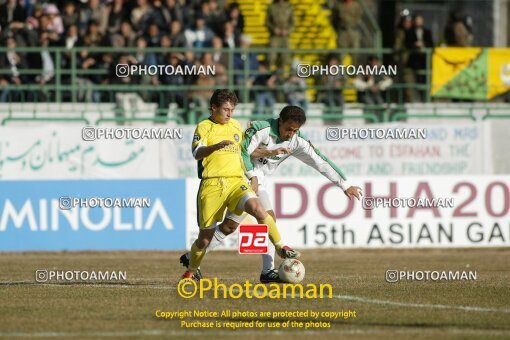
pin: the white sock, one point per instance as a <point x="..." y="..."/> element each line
<point x="268" y="259"/>
<point x="217" y="239"/>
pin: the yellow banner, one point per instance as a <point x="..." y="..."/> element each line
<point x="498" y="79"/>
<point x="448" y="62"/>
<point x="470" y="73"/>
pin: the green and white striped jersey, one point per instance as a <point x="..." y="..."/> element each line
<point x="266" y="134"/>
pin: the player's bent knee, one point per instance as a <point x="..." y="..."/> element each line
<point x="255" y="208"/>
<point x="228" y="226"/>
<point x="260" y="213"/>
<point x="202" y="244"/>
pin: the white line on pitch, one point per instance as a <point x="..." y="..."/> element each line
<point x="171" y="332"/>
<point x="244" y="331"/>
<point x="79" y="284"/>
<point x="340" y="297"/>
<point x="420" y="305"/>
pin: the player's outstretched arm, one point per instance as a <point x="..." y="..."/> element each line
<point x="205" y="151"/>
<point x="263" y="152"/>
<point x="353" y="192"/>
<point x="311" y="156"/>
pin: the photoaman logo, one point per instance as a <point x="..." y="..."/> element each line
<point x="189" y="288"/>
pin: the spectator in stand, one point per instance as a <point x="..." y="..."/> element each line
<point x="12" y="61"/>
<point x="219" y="56"/>
<point x="200" y="35"/>
<point x="160" y="16"/>
<point x="372" y="87"/>
<point x="246" y="61"/>
<point x="418" y="38"/>
<point x="189" y="58"/>
<point x="69" y="41"/>
<point x="127" y="34"/>
<point x="178" y="80"/>
<point x="163" y="58"/>
<point x="117" y="41"/>
<point x="456" y="33"/>
<point x="147" y="59"/>
<point x="165" y="42"/>
<point x="333" y="96"/>
<point x="220" y="76"/>
<point x="45" y="61"/>
<point x="201" y="97"/>
<point x="347" y="14"/>
<point x="230" y="39"/>
<point x="32" y="23"/>
<point x="70" y="16"/>
<point x="280" y="24"/>
<point x="130" y="78"/>
<point x="264" y="99"/>
<point x="177" y="35"/>
<point x="295" y="89"/>
<point x="235" y="16"/>
<point x="95" y="11"/>
<point x="55" y="23"/>
<point x="347" y="17"/>
<point x="402" y="52"/>
<point x="214" y="16"/>
<point x="45" y="26"/>
<point x="116" y="15"/>
<point x="93" y="36"/>
<point x="84" y="82"/>
<point x="174" y="11"/>
<point x="141" y="15"/>
<point x="154" y="36"/>
<point x="11" y="12"/>
<point x="189" y="11"/>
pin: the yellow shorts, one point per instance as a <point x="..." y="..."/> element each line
<point x="216" y="194"/>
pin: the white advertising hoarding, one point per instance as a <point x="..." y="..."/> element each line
<point x="59" y="152"/>
<point x="313" y="213"/>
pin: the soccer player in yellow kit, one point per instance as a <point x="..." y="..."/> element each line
<point x="217" y="148"/>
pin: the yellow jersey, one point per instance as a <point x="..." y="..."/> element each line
<point x="226" y="162"/>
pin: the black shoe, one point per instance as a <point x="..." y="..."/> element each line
<point x="184" y="259"/>
<point x="270" y="276"/>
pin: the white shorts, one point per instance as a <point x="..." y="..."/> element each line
<point x="264" y="199"/>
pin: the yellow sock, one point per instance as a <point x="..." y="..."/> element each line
<point x="274" y="234"/>
<point x="195" y="257"/>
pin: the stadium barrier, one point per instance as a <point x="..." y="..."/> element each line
<point x="37" y="215"/>
<point x="65" y="152"/>
<point x="67" y="84"/>
<point x="413" y="212"/>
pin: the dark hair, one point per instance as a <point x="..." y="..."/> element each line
<point x="264" y="63"/>
<point x="233" y="5"/>
<point x="222" y="96"/>
<point x="373" y="58"/>
<point x="294" y="113"/>
<point x="331" y="57"/>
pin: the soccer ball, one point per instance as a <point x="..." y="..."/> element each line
<point x="292" y="271"/>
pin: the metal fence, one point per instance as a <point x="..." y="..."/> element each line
<point x="72" y="83"/>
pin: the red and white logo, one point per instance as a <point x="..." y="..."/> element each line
<point x="253" y="239"/>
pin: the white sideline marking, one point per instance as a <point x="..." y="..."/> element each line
<point x="340" y="297"/>
<point x="187" y="332"/>
<point x="79" y="284"/>
<point x="243" y="331"/>
<point x="420" y="305"/>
